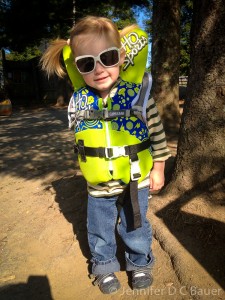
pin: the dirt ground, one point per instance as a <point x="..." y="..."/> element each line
<point x="43" y="239"/>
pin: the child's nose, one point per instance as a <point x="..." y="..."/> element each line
<point x="99" y="67"/>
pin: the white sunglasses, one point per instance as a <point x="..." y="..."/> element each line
<point x="108" y="58"/>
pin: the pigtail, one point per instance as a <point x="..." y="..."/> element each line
<point x="51" y="59"/>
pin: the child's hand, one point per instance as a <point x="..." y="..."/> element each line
<point x="157" y="178"/>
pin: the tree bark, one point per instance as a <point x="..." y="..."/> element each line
<point x="165" y="61"/>
<point x="200" y="162"/>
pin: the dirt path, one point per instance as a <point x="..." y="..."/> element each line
<point x="43" y="244"/>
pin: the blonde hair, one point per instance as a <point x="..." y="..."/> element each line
<point x="97" y="26"/>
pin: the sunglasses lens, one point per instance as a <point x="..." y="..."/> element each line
<point x="110" y="57"/>
<point x="85" y="64"/>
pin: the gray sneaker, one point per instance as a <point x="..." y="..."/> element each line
<point x="141" y="278"/>
<point x="108" y="283"/>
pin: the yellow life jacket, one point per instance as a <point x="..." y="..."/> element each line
<point x="108" y="138"/>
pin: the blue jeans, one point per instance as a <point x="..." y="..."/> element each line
<point x="102" y="217"/>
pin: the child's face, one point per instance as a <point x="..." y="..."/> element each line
<point x="101" y="78"/>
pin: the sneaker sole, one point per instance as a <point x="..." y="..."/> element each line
<point x="111" y="289"/>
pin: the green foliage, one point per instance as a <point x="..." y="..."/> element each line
<point x="26" y="23"/>
<point x="186" y="19"/>
<point x="27" y="54"/>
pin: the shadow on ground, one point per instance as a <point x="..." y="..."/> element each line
<point x="199" y="231"/>
<point x="36" y="288"/>
<point x="35" y="143"/>
<point x="71" y="195"/>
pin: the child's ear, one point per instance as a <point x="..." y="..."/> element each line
<point x="122" y="56"/>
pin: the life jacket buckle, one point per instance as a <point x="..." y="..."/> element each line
<point x="135" y="171"/>
<point x="115" y="151"/>
<point x="93" y="114"/>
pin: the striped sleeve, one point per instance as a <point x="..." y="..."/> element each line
<point x="160" y="151"/>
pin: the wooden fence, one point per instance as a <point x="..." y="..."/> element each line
<point x="183" y="80"/>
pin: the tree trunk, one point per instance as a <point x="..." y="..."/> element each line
<point x="165" y="61"/>
<point x="200" y="163"/>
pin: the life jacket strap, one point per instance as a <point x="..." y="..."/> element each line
<point x="129" y="197"/>
<point x="135" y="174"/>
<point x="109" y="152"/>
<point x="133" y="186"/>
<point x="93" y="114"/>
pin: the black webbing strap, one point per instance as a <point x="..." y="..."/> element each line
<point x="135" y="205"/>
<point x="134" y="198"/>
<point x="103" y="152"/>
<point x="129" y="201"/>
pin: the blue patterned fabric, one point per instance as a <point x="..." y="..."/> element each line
<point x="124" y="98"/>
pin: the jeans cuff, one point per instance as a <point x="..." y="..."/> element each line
<point x="104" y="267"/>
<point x="130" y="266"/>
